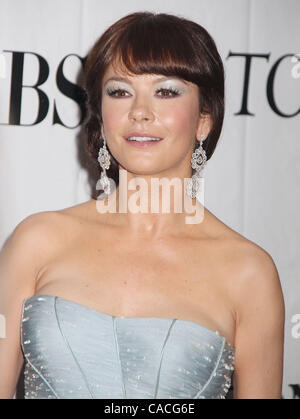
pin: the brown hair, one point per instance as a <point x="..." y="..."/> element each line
<point x="157" y="43"/>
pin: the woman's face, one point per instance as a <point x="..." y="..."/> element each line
<point x="165" y="107"/>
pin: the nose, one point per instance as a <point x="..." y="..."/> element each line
<point x="140" y="111"/>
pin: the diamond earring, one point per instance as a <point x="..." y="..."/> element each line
<point x="198" y="162"/>
<point x="104" y="160"/>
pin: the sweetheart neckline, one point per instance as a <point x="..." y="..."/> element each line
<point x="216" y="333"/>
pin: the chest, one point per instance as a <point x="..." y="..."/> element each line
<point x="132" y="269"/>
<point x="168" y="279"/>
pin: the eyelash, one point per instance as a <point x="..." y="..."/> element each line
<point x="175" y="92"/>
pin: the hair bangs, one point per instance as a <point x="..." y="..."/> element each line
<point x="154" y="47"/>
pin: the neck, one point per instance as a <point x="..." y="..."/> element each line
<point x="150" y="206"/>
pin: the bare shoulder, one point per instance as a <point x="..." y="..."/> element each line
<point x="256" y="267"/>
<point x="24" y="253"/>
<point x="32" y="230"/>
<point x="36" y="235"/>
<point x="48" y="228"/>
<point x="248" y="268"/>
<point x="255" y="284"/>
<point x="50" y="224"/>
<point x="32" y="236"/>
<point x="40" y="226"/>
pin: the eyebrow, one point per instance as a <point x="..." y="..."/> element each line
<point x="124" y="79"/>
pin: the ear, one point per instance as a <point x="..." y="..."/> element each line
<point x="204" y="126"/>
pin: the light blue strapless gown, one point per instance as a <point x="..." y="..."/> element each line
<point x="73" y="351"/>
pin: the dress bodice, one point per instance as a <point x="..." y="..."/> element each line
<point x="73" y="351"/>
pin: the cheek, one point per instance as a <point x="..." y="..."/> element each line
<point x="112" y="114"/>
<point x="180" y="118"/>
<point x="107" y="116"/>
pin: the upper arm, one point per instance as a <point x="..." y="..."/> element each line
<point x="259" y="339"/>
<point x="20" y="259"/>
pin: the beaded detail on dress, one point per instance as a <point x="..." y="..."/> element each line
<point x="73" y="351"/>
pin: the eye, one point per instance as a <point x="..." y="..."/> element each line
<point x="175" y="92"/>
<point x="167" y="92"/>
<point x="112" y="92"/>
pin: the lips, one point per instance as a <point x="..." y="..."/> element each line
<point x="141" y="134"/>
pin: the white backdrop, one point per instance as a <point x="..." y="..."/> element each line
<point x="256" y="161"/>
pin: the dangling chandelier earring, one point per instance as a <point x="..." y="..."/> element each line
<point x="104" y="160"/>
<point x="198" y="162"/>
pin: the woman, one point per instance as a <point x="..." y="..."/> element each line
<point x="127" y="304"/>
